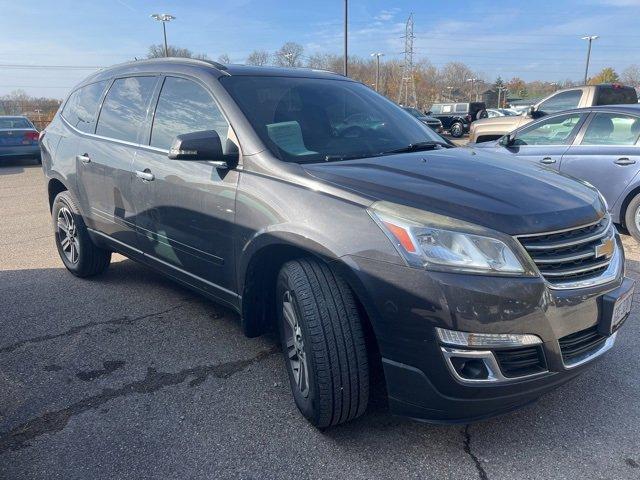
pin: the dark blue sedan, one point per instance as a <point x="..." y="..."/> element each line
<point x="18" y="138"/>
<point x="598" y="144"/>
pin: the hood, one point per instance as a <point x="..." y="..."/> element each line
<point x="484" y="188"/>
<point x="502" y="123"/>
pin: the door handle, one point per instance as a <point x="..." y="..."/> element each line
<point x="84" y="158"/>
<point x="624" y="161"/>
<point x="145" y="175"/>
<point x="548" y="160"/>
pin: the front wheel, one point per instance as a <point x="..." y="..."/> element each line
<point x="78" y="252"/>
<point x="323" y="343"/>
<point x="632" y="218"/>
<point x="456" y="130"/>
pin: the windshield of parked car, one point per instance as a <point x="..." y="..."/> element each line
<point x="307" y="120"/>
<point x="14" y="122"/>
<point x="414" y="111"/>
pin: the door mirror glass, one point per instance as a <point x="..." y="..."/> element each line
<point x="201" y="146"/>
<point x="506" y="140"/>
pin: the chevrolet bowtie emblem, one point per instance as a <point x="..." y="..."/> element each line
<point x="605" y="249"/>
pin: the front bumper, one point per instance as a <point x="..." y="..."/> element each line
<point x="406" y="304"/>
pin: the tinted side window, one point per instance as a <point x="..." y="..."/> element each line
<point x="616" y="95"/>
<point x="124" y="108"/>
<point x="435" y="109"/>
<point x="461" y="107"/>
<point x="561" y="101"/>
<point x="82" y="107"/>
<point x="612" y="129"/>
<point x="185" y="107"/>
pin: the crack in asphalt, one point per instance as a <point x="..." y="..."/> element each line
<point x="72" y="331"/>
<point x="467" y="449"/>
<point x="51" y="422"/>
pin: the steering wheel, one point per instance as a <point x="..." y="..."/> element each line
<point x="353" y="131"/>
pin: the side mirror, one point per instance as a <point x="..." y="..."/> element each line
<point x="531" y="112"/>
<point x="429" y="113"/>
<point x="507" y="140"/>
<point x="201" y="146"/>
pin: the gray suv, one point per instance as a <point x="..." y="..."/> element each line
<point x="474" y="283"/>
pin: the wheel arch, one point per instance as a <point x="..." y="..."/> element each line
<point x="622" y="212"/>
<point x="259" y="267"/>
<point x="54" y="187"/>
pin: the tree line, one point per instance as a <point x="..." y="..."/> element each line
<point x="454" y="81"/>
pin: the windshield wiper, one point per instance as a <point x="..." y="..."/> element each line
<point x="418" y="147"/>
<point x="336" y="158"/>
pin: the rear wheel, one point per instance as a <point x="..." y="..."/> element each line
<point x="323" y="343"/>
<point x="632" y="218"/>
<point x="456" y="130"/>
<point x="77" y="251"/>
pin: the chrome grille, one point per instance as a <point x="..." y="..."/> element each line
<point x="571" y="255"/>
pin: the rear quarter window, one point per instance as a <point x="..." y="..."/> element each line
<point x="615" y="95"/>
<point x="82" y="106"/>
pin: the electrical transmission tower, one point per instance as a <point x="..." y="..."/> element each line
<point x="407" y="93"/>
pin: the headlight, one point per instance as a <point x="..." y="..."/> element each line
<point x="435" y="241"/>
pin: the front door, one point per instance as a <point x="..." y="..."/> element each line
<point x="187" y="208"/>
<point x="545" y="142"/>
<point x="607" y="154"/>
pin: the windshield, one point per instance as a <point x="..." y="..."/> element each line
<point x="414" y="111"/>
<point x="306" y="120"/>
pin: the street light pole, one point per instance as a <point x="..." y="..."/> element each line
<point x="590" y="38"/>
<point x="346" y="21"/>
<point x="164" y="18"/>
<point x="377" y="55"/>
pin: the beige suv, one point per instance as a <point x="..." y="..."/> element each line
<point x="576" y="97"/>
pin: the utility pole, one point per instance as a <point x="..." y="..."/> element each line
<point x="473" y="82"/>
<point x="346" y="35"/>
<point x="164" y="18"/>
<point x="590" y="38"/>
<point x="377" y="55"/>
<point x="408" y="81"/>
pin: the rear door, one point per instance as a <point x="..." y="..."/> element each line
<point x="187" y="208"/>
<point x="606" y="153"/>
<point x="109" y="156"/>
<point x="79" y="114"/>
<point x="545" y="141"/>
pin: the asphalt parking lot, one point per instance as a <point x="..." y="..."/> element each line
<point x="130" y="375"/>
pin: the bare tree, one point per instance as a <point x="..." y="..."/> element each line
<point x="631" y="76"/>
<point x="224" y="58"/>
<point x="258" y="57"/>
<point x="289" y="55"/>
<point x="157" y="51"/>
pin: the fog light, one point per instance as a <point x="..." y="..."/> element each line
<point x="486" y="340"/>
<point x="470" y="368"/>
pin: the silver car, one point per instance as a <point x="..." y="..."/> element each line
<point x="598" y="145"/>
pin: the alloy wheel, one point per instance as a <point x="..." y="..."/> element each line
<point x="67" y="233"/>
<point x="295" y="344"/>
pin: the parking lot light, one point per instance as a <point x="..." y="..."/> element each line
<point x="164" y="18"/>
<point x="590" y="38"/>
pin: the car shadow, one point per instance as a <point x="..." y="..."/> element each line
<point x="13" y="166"/>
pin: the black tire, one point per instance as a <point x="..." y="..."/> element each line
<point x="89" y="259"/>
<point x="632" y="212"/>
<point x="481" y="114"/>
<point x="456" y="130"/>
<point x="332" y="342"/>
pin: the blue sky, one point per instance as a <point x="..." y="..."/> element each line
<point x="530" y="39"/>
